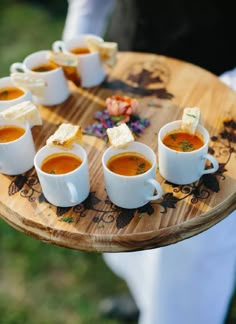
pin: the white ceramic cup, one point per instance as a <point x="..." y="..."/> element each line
<point x="90" y="68"/>
<point x="56" y="90"/>
<point x="67" y="189"/>
<point x="131" y="191"/>
<point x="17" y="156"/>
<point x="184" y="167"/>
<point x="6" y="82"/>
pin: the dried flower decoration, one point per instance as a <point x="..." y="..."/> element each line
<point x="119" y="110"/>
<point x="122" y="107"/>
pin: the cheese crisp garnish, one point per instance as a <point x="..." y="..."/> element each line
<point x="190" y="119"/>
<point x="63" y="59"/>
<point x="65" y="136"/>
<point x="30" y="82"/>
<point x="24" y="111"/>
<point x="106" y="50"/>
<point x="120" y="136"/>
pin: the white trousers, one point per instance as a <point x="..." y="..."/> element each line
<point x="190" y="282"/>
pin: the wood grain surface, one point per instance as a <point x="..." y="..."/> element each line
<point x="163" y="86"/>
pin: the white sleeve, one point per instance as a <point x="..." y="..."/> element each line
<point x="229" y="77"/>
<point x="87" y="16"/>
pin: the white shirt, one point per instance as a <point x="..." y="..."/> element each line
<point x="87" y="16"/>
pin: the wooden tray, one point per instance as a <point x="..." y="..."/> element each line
<point x="164" y="87"/>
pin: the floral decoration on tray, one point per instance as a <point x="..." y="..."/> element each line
<point x="118" y="110"/>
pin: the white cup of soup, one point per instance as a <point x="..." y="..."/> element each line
<point x="181" y="156"/>
<point x="10" y="94"/>
<point x="130" y="175"/>
<point x="38" y="65"/>
<point x="17" y="148"/>
<point x="90" y="71"/>
<point x="63" y="174"/>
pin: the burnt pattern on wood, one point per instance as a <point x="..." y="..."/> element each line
<point x="143" y="79"/>
<point x="27" y="184"/>
<point x="223" y="146"/>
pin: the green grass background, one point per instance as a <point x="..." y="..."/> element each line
<point x="41" y="283"/>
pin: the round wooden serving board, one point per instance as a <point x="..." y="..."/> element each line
<point x="163" y="86"/>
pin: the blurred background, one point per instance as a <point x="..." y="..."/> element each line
<point x="41" y="283"/>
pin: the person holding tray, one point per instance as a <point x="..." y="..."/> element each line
<point x="201" y="32"/>
<point x="190" y="282"/>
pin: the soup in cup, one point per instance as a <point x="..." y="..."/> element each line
<point x="90" y="71"/>
<point x="130" y="175"/>
<point x="11" y="95"/>
<point x="38" y="65"/>
<point x="181" y="156"/>
<point x="17" y="148"/>
<point x="63" y="174"/>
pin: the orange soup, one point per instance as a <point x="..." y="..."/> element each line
<point x="44" y="67"/>
<point x="10" y="133"/>
<point x="60" y="163"/>
<point x="183" y="141"/>
<point x="10" y="93"/>
<point x="128" y="164"/>
<point x="80" y="50"/>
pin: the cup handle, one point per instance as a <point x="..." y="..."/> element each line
<point x="73" y="192"/>
<point x="58" y="46"/>
<point x="17" y="67"/>
<point x="213" y="161"/>
<point x="156" y="186"/>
